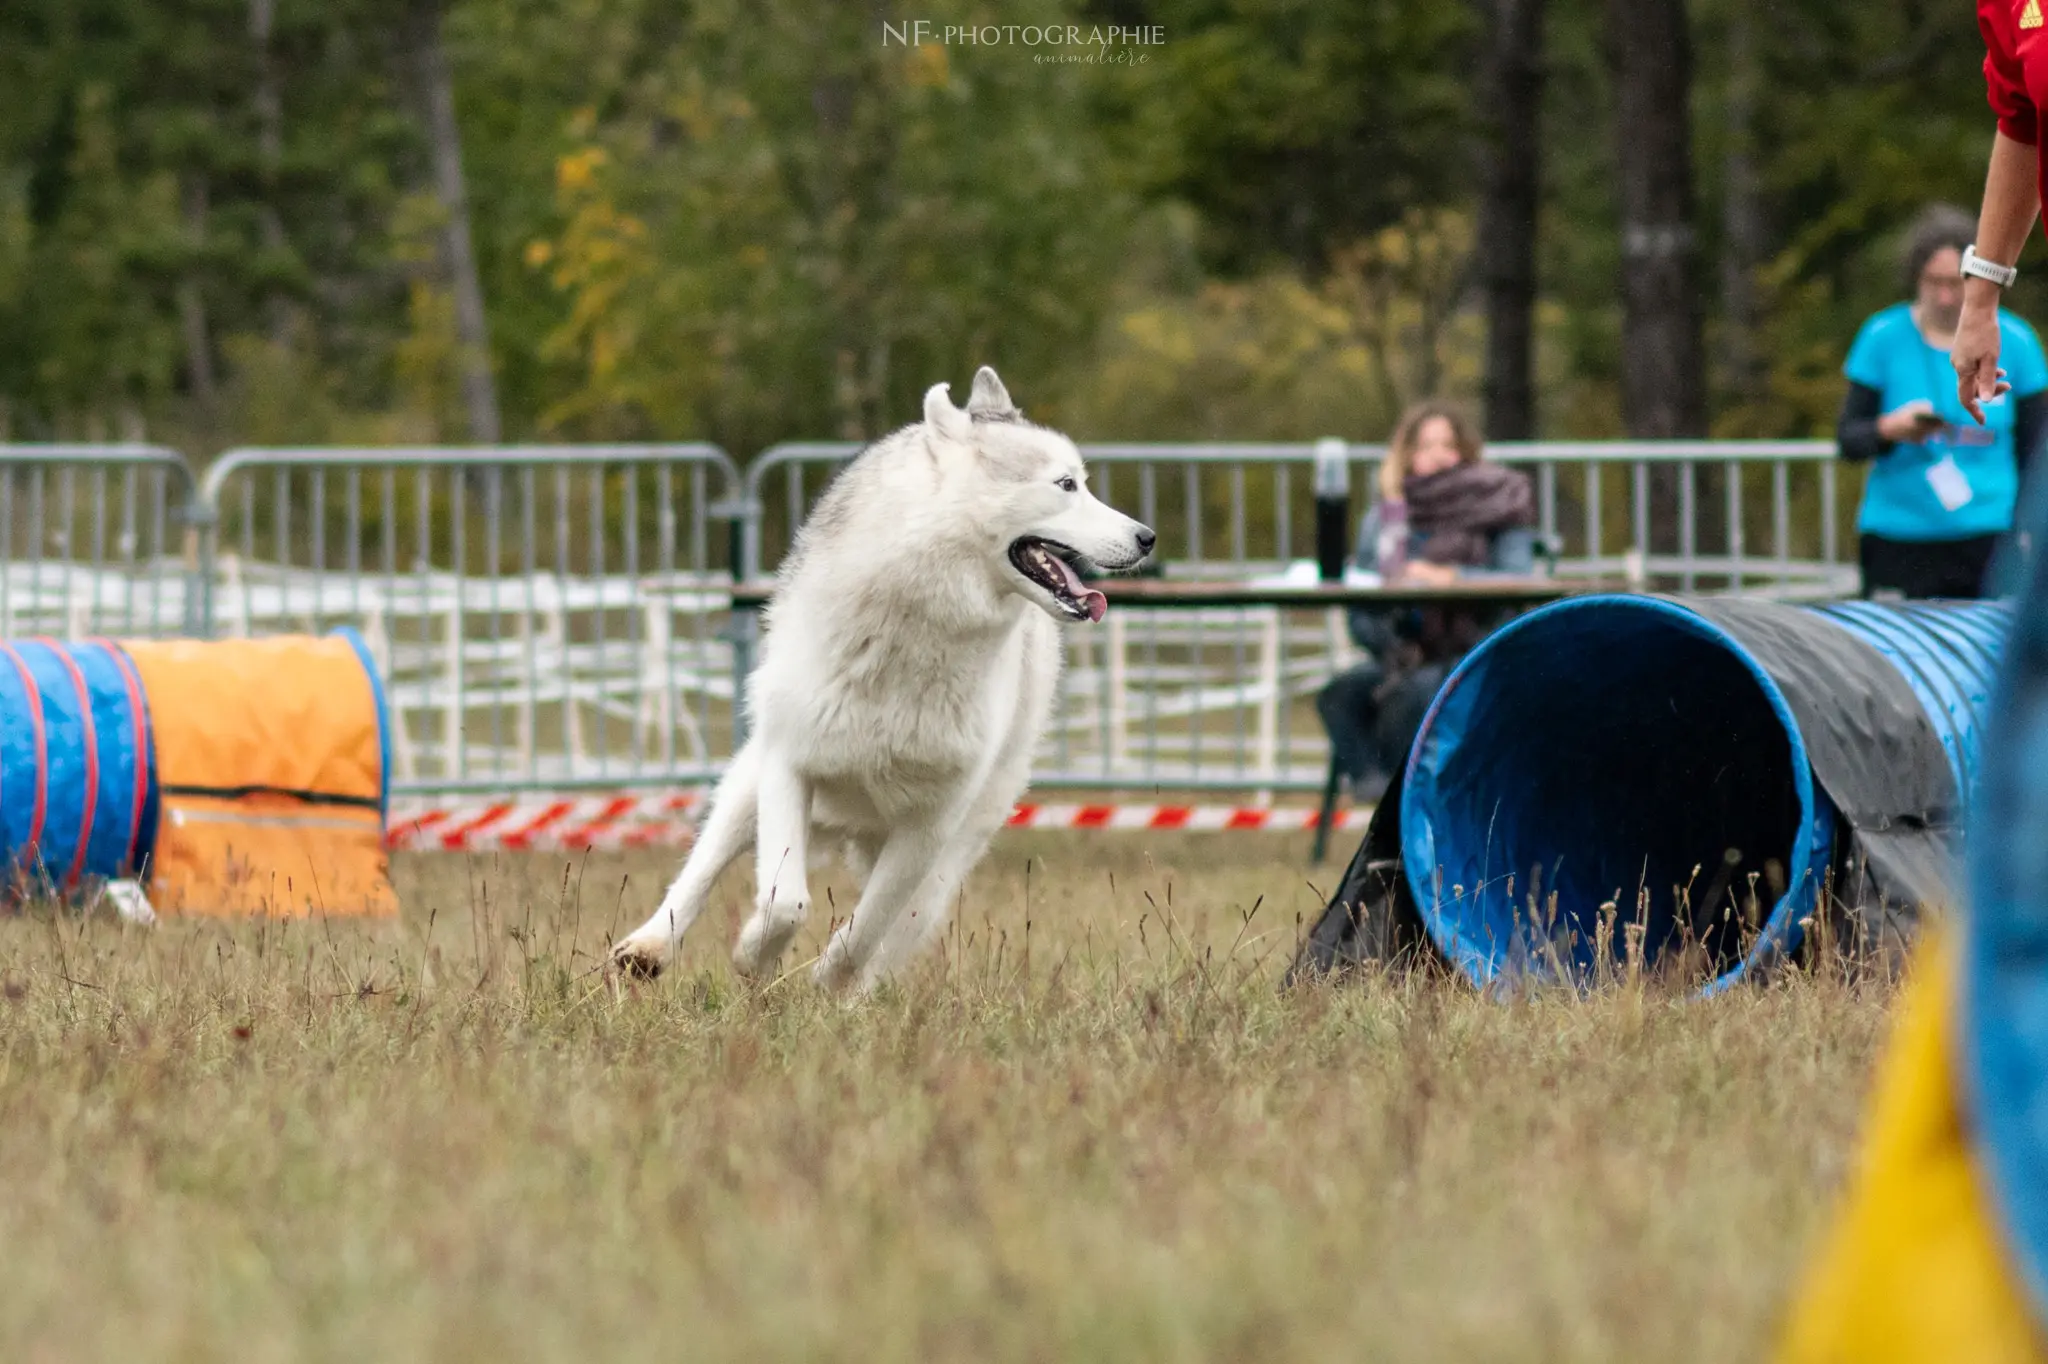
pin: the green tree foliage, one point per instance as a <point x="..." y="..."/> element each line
<point x="1295" y="127"/>
<point x="749" y="222"/>
<point x="786" y="224"/>
<point x="133" y="194"/>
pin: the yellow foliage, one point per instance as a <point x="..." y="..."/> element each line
<point x="927" y="65"/>
<point x="425" y="358"/>
<point x="603" y="264"/>
<point x="575" y="170"/>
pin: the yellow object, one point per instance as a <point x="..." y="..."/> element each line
<point x="1914" y="1269"/>
<point x="270" y="765"/>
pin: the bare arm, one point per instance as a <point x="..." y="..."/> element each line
<point x="2011" y="203"/>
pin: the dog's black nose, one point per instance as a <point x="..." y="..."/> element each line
<point x="1146" y="539"/>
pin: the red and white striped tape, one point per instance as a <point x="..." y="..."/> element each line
<point x="547" y="823"/>
<point x="553" y="824"/>
<point x="1203" y="818"/>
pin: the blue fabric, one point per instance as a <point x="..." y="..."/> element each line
<point x="1573" y="797"/>
<point x="2004" y="1000"/>
<point x="64" y="730"/>
<point x="1514" y="552"/>
<point x="113" y="820"/>
<point x="63" y="778"/>
<point x="18" y="770"/>
<point x="1949" y="654"/>
<point x="362" y="650"/>
<point x="1891" y="356"/>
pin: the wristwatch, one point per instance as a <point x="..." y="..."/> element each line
<point x="2001" y="275"/>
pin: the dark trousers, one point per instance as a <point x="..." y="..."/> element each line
<point x="1372" y="720"/>
<point x="1926" y="568"/>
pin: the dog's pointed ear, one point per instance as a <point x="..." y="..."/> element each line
<point x="990" y="398"/>
<point x="941" y="416"/>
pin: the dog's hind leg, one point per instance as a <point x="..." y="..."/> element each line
<point x="907" y="871"/>
<point x="782" y="895"/>
<point x="929" y="910"/>
<point x="728" y="829"/>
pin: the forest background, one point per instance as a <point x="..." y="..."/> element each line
<point x="311" y="221"/>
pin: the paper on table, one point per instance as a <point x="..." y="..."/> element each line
<point x="1306" y="573"/>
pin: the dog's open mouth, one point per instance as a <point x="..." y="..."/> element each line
<point x="1047" y="563"/>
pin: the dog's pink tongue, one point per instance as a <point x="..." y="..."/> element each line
<point x="1097" y="604"/>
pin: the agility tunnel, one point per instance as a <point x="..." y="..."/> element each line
<point x="77" y="792"/>
<point x="233" y="777"/>
<point x="1630" y="775"/>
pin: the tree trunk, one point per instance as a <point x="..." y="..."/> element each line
<point x="437" y="93"/>
<point x="269" y="104"/>
<point x="1743" y="230"/>
<point x="1663" y="389"/>
<point x="1512" y="89"/>
<point x="192" y="303"/>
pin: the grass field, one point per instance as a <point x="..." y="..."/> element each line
<point x="1092" y="1129"/>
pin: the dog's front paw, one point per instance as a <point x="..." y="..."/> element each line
<point x="636" y="960"/>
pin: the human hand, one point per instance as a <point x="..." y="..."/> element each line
<point x="1909" y="422"/>
<point x="1975" y="355"/>
<point x="1429" y="574"/>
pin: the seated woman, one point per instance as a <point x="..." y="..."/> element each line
<point x="1462" y="517"/>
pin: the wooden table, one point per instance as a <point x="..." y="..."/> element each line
<point x="1172" y="593"/>
<point x="1504" y="591"/>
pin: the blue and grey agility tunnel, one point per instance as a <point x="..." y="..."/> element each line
<point x="77" y="788"/>
<point x="1705" y="775"/>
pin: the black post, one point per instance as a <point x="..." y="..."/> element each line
<point x="1333" y="508"/>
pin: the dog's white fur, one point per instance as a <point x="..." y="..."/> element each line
<point x="905" y="676"/>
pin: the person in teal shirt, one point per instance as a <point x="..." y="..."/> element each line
<point x="1942" y="488"/>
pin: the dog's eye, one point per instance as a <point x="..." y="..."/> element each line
<point x="1067" y="484"/>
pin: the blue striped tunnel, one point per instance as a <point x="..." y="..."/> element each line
<point x="1614" y="766"/>
<point x="77" y="790"/>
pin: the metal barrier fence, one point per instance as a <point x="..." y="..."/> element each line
<point x="544" y="616"/>
<point x="559" y="616"/>
<point x="94" y="541"/>
<point x="1754" y="516"/>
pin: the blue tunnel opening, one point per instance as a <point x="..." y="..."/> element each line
<point x="1616" y="759"/>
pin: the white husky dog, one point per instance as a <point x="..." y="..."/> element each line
<point x="906" y="674"/>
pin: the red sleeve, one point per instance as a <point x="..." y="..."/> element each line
<point x="2004" y="82"/>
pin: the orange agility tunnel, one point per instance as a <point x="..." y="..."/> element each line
<point x="271" y="770"/>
